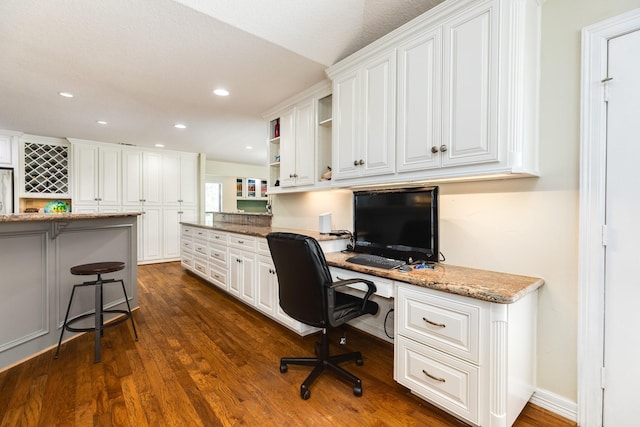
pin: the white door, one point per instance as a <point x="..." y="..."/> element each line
<point x="622" y="284"/>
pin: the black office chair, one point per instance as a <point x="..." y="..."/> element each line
<point x="309" y="295"/>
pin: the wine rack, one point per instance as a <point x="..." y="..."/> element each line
<point x="46" y="169"/>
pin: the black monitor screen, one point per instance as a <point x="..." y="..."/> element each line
<point x="398" y="223"/>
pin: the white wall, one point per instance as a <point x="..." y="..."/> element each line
<point x="226" y="173"/>
<point x="525" y="226"/>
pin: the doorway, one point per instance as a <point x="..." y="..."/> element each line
<point x="608" y="345"/>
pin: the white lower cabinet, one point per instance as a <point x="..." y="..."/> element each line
<point x="472" y="358"/>
<point x="238" y="264"/>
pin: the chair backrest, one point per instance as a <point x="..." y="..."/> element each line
<point x="303" y="275"/>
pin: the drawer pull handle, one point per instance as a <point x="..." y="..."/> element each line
<point x="442" y="380"/>
<point x="241" y="241"/>
<point x="439" y="325"/>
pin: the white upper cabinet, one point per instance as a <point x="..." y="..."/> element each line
<point x="364" y="115"/>
<point x="470" y="87"/>
<point x="465" y="102"/>
<point x="297" y="145"/>
<point x="6" y="150"/>
<point x="180" y="179"/>
<point x="96" y="175"/>
<point x="419" y="100"/>
<point x="142" y="177"/>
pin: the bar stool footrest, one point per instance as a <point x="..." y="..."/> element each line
<point x="119" y="320"/>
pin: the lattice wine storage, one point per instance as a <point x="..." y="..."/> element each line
<point x="46" y="168"/>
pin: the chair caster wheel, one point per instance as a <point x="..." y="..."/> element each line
<point x="359" y="362"/>
<point x="305" y="393"/>
<point x="283" y="369"/>
<point x="357" y="391"/>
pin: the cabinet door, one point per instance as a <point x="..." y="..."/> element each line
<point x="151" y="233"/>
<point x="377" y="156"/>
<point x="345" y="148"/>
<point x="248" y="288"/>
<point x="151" y="177"/>
<point x="305" y="143"/>
<point x="419" y="100"/>
<point x="267" y="292"/>
<point x="171" y="230"/>
<point x="85" y="158"/>
<point x="235" y="271"/>
<point x="131" y="177"/>
<point x="470" y="87"/>
<point x="287" y="149"/>
<point x="5" y="151"/>
<point x="170" y="179"/>
<point x="109" y="176"/>
<point x="188" y="179"/>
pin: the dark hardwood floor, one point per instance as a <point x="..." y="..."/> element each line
<point x="205" y="359"/>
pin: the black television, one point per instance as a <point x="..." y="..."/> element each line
<point x="401" y="224"/>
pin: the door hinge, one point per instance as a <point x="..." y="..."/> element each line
<point x="603" y="377"/>
<point x="605" y="91"/>
<point x="605" y="235"/>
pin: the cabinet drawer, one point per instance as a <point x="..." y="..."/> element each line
<point x="200" y="233"/>
<point x="444" y="380"/>
<point x="444" y="322"/>
<point x="384" y="287"/>
<point x="218" y="276"/>
<point x="263" y="247"/>
<point x="201" y="268"/>
<point x="187" y="261"/>
<point x="218" y="237"/>
<point x="186" y="245"/>
<point x="201" y="248"/>
<point x="187" y="231"/>
<point x="218" y="254"/>
<point x="242" y="241"/>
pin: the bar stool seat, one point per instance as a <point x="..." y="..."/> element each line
<point x="97" y="268"/>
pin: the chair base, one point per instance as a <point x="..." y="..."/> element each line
<point x="322" y="362"/>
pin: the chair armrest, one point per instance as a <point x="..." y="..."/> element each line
<point x="371" y="287"/>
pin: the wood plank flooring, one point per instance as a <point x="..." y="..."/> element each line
<point x="205" y="359"/>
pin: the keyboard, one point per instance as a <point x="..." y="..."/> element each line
<point x="375" y="261"/>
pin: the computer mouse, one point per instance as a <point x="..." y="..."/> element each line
<point x="405" y="268"/>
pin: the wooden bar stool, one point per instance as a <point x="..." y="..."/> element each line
<point x="98" y="268"/>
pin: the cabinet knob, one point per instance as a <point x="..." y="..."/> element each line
<point x="443" y="148"/>
<point x="434" y="149"/>
<point x="361" y="162"/>
<point x="290" y="175"/>
<point x="355" y="163"/>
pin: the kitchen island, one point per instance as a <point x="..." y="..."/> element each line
<point x="36" y="253"/>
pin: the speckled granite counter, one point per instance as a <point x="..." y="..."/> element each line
<point x="62" y="216"/>
<point x="260" y="231"/>
<point x="502" y="288"/>
<point x="484" y="285"/>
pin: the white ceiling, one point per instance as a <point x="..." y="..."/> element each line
<point x="145" y="65"/>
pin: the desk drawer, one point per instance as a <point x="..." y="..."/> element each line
<point x="446" y="381"/>
<point x="384" y="286"/>
<point x="443" y="322"/>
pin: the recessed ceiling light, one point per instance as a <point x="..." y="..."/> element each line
<point x="221" y="92"/>
<point x="160" y="145"/>
<point x="248" y="147"/>
<point x="180" y="126"/>
<point x="66" y="94"/>
<point x="101" y="122"/>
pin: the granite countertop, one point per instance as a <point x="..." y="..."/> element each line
<point x="502" y="288"/>
<point x="260" y="231"/>
<point x="62" y="216"/>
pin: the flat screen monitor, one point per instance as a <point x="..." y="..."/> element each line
<point x="399" y="223"/>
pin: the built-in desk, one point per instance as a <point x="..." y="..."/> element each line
<point x="464" y="339"/>
<point x="36" y="252"/>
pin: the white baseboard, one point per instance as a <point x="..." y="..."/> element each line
<point x="556" y="404"/>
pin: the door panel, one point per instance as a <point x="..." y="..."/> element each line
<point x="622" y="286"/>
